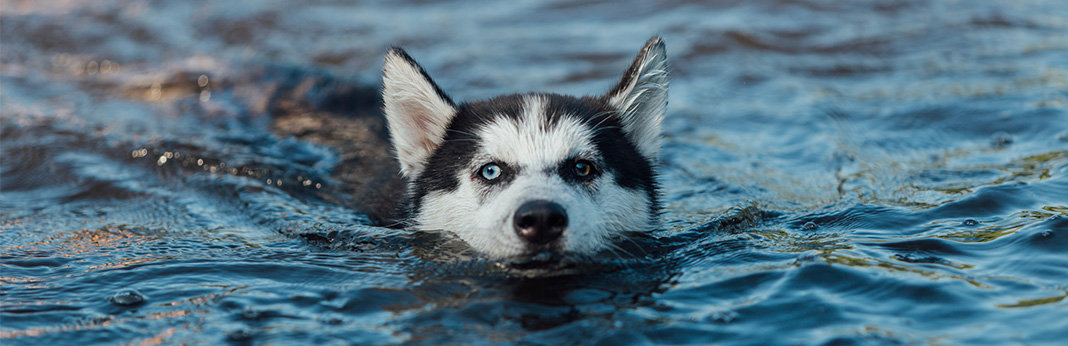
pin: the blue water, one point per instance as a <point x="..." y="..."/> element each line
<point x="834" y="172"/>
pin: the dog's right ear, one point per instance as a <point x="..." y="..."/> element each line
<point x="417" y="111"/>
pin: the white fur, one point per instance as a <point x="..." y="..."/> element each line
<point x="528" y="144"/>
<point x="643" y="101"/>
<point x="486" y="222"/>
<point x="416" y="113"/>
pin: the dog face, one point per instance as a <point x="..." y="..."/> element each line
<point x="517" y="175"/>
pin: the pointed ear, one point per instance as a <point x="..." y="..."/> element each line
<point x="641" y="98"/>
<point x="417" y="111"/>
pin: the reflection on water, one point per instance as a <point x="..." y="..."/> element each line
<point x="863" y="172"/>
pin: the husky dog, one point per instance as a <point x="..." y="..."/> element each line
<point x="525" y="174"/>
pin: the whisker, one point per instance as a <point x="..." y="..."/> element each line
<point x="461" y="132"/>
<point x="616" y="249"/>
<point x="636" y="245"/>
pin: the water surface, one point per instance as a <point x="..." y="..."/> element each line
<point x="862" y="172"/>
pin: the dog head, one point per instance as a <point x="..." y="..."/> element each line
<point x="517" y="175"/>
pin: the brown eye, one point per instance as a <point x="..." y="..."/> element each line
<point x="583" y="168"/>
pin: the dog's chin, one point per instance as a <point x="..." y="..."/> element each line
<point x="545" y="262"/>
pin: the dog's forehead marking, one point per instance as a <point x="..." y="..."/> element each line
<point x="531" y="140"/>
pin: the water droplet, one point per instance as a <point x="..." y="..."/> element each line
<point x="162" y="160"/>
<point x="92" y="67"/>
<point x="127" y="297"/>
<point x="61" y="59"/>
<point x="970" y="222"/>
<point x="810" y="226"/>
<point x="202" y="81"/>
<point x="155" y="92"/>
<point x="77" y="68"/>
<point x="205" y="95"/>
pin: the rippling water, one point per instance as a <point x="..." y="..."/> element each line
<point x="862" y="172"/>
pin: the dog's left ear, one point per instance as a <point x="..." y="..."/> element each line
<point x="417" y="111"/>
<point x="641" y="98"/>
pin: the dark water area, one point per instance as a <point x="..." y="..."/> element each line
<point x="834" y="172"/>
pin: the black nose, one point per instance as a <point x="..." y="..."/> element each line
<point x="540" y="222"/>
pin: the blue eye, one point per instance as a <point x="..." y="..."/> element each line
<point x="490" y="171"/>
